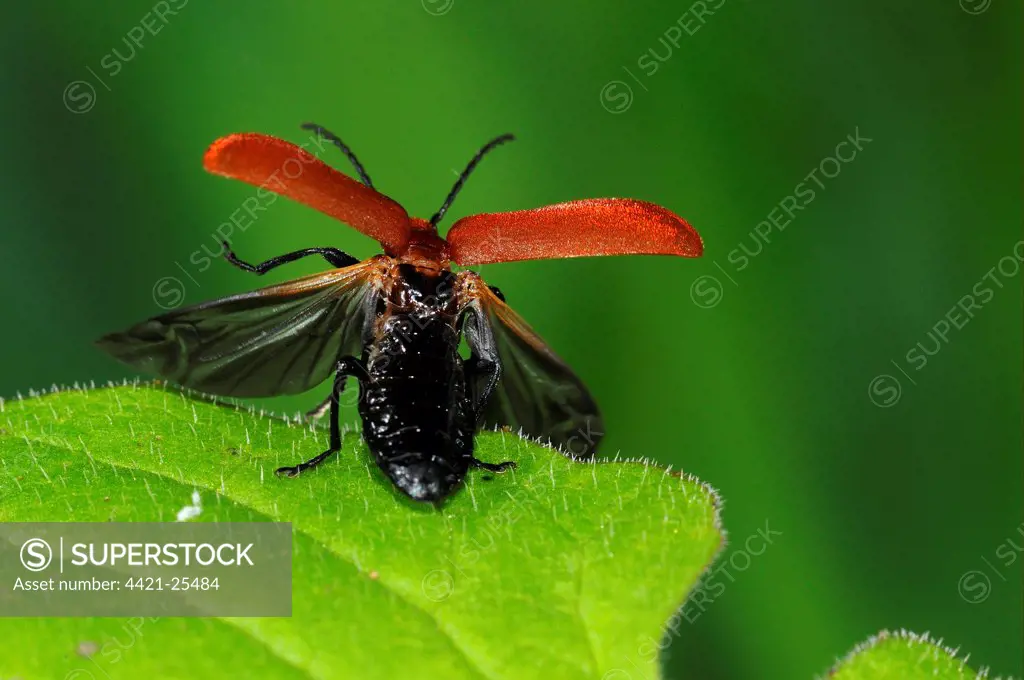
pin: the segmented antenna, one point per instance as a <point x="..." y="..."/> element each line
<point x="497" y="141"/>
<point x="333" y="138"/>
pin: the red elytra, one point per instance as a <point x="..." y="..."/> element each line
<point x="601" y="226"/>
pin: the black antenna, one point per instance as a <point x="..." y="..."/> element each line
<point x="497" y="141"/>
<point x="331" y="137"/>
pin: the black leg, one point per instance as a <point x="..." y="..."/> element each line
<point x="497" y="293"/>
<point x="348" y="366"/>
<point x="483" y="368"/>
<point x="336" y="257"/>
<point x="493" y="467"/>
<point x="483" y="371"/>
<point x="486" y="373"/>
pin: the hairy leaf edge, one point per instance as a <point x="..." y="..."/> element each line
<point x="915" y="639"/>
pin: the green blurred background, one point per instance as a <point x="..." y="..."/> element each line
<point x="755" y="379"/>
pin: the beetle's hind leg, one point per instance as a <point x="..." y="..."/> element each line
<point x="493" y="467"/>
<point x="296" y="470"/>
<point x="348" y="366"/>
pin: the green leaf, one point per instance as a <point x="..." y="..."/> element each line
<point x="903" y="656"/>
<point x="558" y="569"/>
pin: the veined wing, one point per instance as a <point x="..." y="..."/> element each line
<point x="282" y="339"/>
<point x="537" y="391"/>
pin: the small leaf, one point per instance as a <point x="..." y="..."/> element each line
<point x="903" y="656"/>
<point x="558" y="569"/>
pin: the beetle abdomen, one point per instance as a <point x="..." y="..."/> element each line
<point x="416" y="416"/>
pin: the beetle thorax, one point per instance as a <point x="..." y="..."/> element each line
<point x="425" y="249"/>
<point x="423" y="290"/>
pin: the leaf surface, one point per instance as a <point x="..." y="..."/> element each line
<point x="558" y="569"/>
<point x="903" y="656"/>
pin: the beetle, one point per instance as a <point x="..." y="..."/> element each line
<point x="394" y="322"/>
